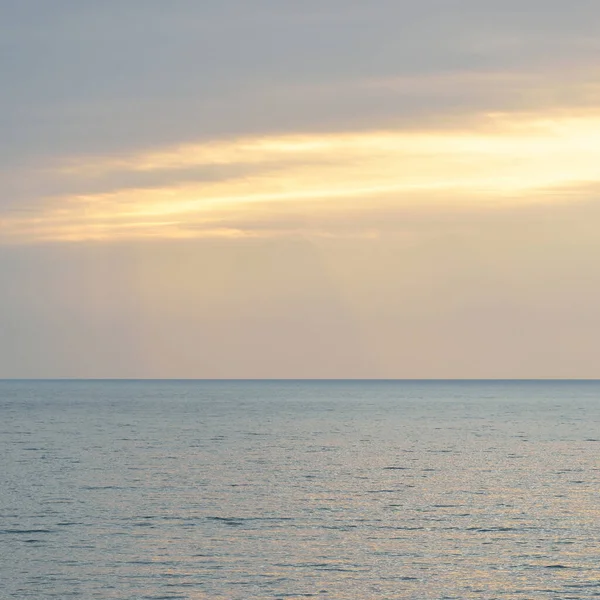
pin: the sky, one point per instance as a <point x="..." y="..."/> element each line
<point x="315" y="189"/>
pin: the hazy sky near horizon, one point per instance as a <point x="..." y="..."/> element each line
<point x="327" y="188"/>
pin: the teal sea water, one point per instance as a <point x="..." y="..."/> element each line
<point x="238" y="490"/>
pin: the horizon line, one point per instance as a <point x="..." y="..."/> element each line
<point x="301" y="379"/>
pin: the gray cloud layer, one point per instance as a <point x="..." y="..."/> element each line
<point x="101" y="76"/>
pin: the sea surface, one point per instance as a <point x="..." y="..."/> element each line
<point x="299" y="489"/>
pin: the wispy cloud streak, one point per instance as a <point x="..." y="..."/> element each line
<point x="506" y="158"/>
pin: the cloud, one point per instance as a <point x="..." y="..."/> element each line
<point x="96" y="78"/>
<point x="217" y="188"/>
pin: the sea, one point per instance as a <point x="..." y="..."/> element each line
<point x="299" y="489"/>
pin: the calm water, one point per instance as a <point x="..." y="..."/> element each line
<point x="299" y="489"/>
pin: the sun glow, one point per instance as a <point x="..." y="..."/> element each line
<point x="217" y="188"/>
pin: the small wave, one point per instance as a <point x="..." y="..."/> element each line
<point x="232" y="522"/>
<point x="494" y="529"/>
<point x="164" y="597"/>
<point x="103" y="487"/>
<point x="23" y="531"/>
